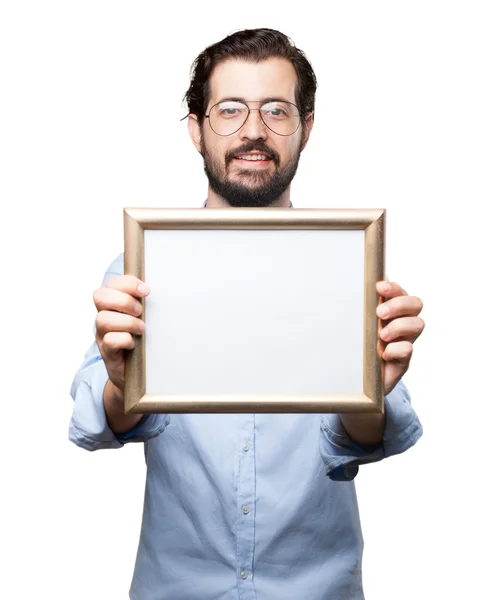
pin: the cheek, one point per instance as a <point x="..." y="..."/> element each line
<point x="287" y="151"/>
<point x="295" y="147"/>
<point x="215" y="147"/>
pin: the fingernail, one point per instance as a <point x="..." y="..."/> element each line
<point x="141" y="327"/>
<point x="385" y="333"/>
<point x="383" y="311"/>
<point x="143" y="289"/>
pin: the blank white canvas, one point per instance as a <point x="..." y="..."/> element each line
<point x="254" y="311"/>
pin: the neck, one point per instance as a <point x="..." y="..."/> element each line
<point x="216" y="201"/>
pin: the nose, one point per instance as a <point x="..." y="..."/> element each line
<point x="254" y="128"/>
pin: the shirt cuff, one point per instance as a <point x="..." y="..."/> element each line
<point x="89" y="426"/>
<point x="148" y="427"/>
<point x="342" y="456"/>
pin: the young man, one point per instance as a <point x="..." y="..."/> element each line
<point x="252" y="506"/>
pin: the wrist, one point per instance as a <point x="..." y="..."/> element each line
<point x="114" y="403"/>
<point x="366" y="429"/>
<point x="113" y="399"/>
<point x="113" y="396"/>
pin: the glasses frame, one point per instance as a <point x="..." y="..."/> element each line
<point x="301" y="118"/>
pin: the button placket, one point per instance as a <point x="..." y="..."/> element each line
<point x="246" y="496"/>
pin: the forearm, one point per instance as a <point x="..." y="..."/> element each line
<point x="113" y="401"/>
<point x="365" y="429"/>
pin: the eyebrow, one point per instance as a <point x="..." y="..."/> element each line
<point x="262" y="100"/>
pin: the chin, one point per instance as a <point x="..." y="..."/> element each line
<point x="251" y="180"/>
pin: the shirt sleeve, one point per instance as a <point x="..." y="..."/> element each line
<point x="342" y="456"/>
<point x="88" y="425"/>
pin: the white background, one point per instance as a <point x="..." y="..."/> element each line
<point x="90" y="106"/>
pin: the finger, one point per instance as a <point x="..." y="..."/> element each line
<point x="389" y="289"/>
<point x="107" y="321"/>
<point x="400" y="352"/>
<point x="400" y="306"/>
<point x="403" y="327"/>
<point x="380" y="347"/>
<point x="111" y="299"/>
<point x="129" y="284"/>
<point x="114" y="342"/>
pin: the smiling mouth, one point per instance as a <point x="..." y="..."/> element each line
<point x="253" y="158"/>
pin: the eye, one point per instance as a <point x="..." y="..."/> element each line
<point x="277" y="110"/>
<point x="230" y="110"/>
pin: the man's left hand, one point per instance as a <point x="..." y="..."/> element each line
<point x="401" y="328"/>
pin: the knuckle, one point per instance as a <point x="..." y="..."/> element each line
<point x="117" y="340"/>
<point x="102" y="323"/>
<point x="97" y="296"/>
<point x="109" y="340"/>
<point x="106" y="347"/>
<point x="99" y="341"/>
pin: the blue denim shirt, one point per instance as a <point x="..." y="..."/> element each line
<point x="244" y="506"/>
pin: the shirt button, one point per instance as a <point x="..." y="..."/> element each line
<point x="244" y="575"/>
<point x="246" y="447"/>
<point x="245" y="509"/>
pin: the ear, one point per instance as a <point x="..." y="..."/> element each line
<point x="194" y="129"/>
<point x="307" y="127"/>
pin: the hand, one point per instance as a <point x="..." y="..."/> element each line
<point x="401" y="328"/>
<point x="117" y="322"/>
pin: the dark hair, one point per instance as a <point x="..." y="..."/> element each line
<point x="253" y="45"/>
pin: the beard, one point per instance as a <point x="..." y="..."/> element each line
<point x="260" y="188"/>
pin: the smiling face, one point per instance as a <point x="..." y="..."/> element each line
<point x="254" y="166"/>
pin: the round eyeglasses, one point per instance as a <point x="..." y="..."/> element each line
<point x="229" y="116"/>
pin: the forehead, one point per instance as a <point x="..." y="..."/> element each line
<point x="274" y="77"/>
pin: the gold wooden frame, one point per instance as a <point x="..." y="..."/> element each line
<point x="372" y="221"/>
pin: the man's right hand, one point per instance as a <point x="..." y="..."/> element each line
<point x="119" y="308"/>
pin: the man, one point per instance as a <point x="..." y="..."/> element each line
<point x="250" y="506"/>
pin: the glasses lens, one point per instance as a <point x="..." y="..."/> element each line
<point x="227" y="117"/>
<point x="281" y="117"/>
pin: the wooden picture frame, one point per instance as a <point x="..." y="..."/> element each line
<point x="256" y="310"/>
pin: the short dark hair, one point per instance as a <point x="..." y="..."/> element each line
<point x="252" y="45"/>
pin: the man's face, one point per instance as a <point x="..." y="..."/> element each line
<point x="233" y="176"/>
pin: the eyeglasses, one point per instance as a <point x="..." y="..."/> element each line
<point x="229" y="116"/>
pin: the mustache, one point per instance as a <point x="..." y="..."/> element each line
<point x="257" y="146"/>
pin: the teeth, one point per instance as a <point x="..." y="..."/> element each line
<point x="253" y="157"/>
